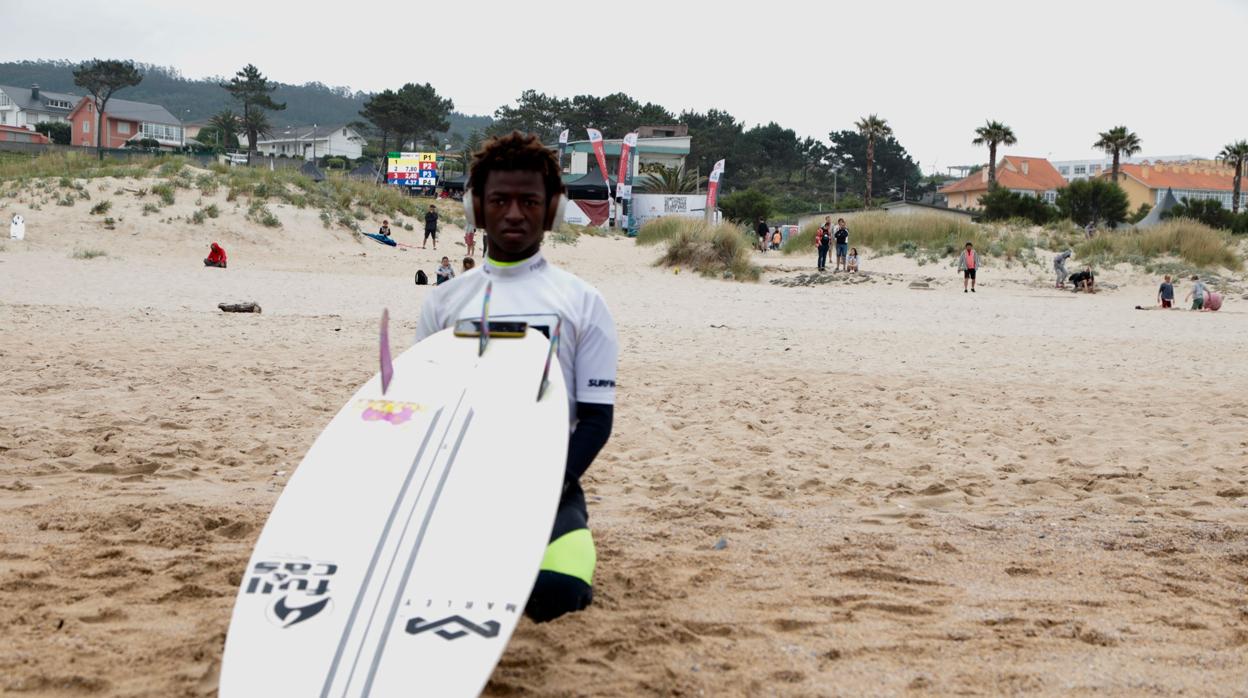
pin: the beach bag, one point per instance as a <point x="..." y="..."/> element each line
<point x="422" y="279"/>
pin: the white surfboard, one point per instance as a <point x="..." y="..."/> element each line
<point x="401" y="554"/>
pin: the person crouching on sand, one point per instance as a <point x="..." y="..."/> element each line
<point x="216" y="256"/>
<point x="851" y="262"/>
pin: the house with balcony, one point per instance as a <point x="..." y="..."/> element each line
<point x="310" y="142"/>
<point x="26" y="106"/>
<point x="1148" y="182"/>
<point x="1022" y="175"/>
<point x="125" y="121"/>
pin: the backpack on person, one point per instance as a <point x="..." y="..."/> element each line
<point x="422" y="279"/>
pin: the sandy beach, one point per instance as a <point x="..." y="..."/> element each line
<point x="843" y="489"/>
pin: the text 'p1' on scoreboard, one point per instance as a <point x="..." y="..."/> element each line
<point x="412" y="169"/>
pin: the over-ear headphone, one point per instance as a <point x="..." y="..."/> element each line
<point x="470" y="214"/>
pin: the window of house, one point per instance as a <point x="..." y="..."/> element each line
<point x="1064" y="169"/>
<point x="1081" y="169"/>
<point x="162" y="132"/>
<point x="1095" y="169"/>
<point x="123" y="127"/>
<point x="59" y="104"/>
<point x="86" y="126"/>
<point x="4" y="100"/>
<point x="344" y="131"/>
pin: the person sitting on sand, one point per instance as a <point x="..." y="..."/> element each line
<point x="1197" y="294"/>
<point x="968" y="264"/>
<point x="1084" y="280"/>
<point x="851" y="262"/>
<point x="445" y="272"/>
<point x="1059" y="267"/>
<point x="469" y="263"/>
<point x="384" y="230"/>
<point x="516" y="188"/>
<point x="1165" y="294"/>
<point x="216" y="256"/>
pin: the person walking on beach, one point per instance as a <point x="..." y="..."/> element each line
<point x="431" y="227"/>
<point x="762" y="231"/>
<point x="968" y="263"/>
<point x="516" y="189"/>
<point x="470" y="239"/>
<point x="841" y="235"/>
<point x="1059" y="267"/>
<point x="1165" y="294"/>
<point x="1197" y="294"/>
<point x="823" y="242"/>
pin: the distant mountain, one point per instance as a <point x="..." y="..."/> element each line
<point x="196" y="100"/>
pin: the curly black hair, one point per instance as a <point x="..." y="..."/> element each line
<point x="515" y="152"/>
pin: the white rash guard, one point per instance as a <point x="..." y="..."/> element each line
<point x="535" y="292"/>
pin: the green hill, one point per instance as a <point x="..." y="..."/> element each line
<point x="196" y="100"/>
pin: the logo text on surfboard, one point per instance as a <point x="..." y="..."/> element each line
<point x="301" y="588"/>
<point x="388" y="410"/>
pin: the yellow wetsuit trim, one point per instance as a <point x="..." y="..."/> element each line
<point x="572" y="554"/>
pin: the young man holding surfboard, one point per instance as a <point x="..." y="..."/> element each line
<point x="515" y="193"/>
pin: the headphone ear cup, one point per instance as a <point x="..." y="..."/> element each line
<point x="560" y="206"/>
<point x="470" y="216"/>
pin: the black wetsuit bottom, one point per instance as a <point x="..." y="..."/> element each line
<point x="556" y="593"/>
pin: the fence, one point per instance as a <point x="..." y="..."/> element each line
<point x="257" y="160"/>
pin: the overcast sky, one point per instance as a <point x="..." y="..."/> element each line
<point x="1057" y="71"/>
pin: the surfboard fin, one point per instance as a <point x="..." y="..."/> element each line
<point x="485" y="320"/>
<point x="550" y="355"/>
<point x="387" y="366"/>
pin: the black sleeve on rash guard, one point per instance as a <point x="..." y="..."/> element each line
<point x="593" y="428"/>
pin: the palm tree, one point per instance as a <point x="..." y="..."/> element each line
<point x="1235" y="155"/>
<point x="1118" y="141"/>
<point x="993" y="133"/>
<point x="671" y="180"/>
<point x="228" y="123"/>
<point x="256" y="122"/>
<point x="872" y="128"/>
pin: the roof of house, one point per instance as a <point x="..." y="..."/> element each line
<point x="21" y="96"/>
<point x="304" y="133"/>
<point x="1181" y="176"/>
<point x="920" y="204"/>
<point x="141" y="112"/>
<point x="1014" y="172"/>
<point x="38" y="137"/>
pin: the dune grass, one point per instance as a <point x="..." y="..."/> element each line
<point x="720" y="251"/>
<point x="1191" y="241"/>
<point x="890" y="233"/>
<point x="88" y="254"/>
<point x="662" y="229"/>
<point x="77" y="165"/>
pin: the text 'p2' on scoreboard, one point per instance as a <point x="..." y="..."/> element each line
<point x="412" y="169"/>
